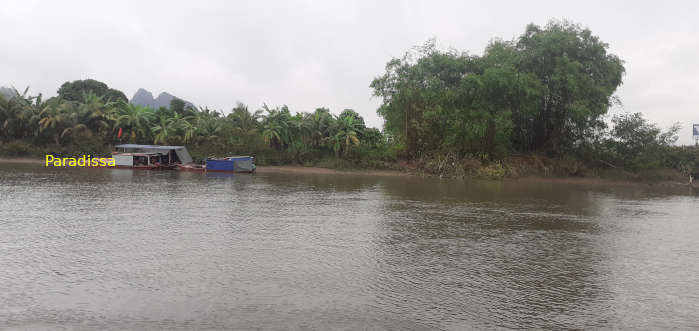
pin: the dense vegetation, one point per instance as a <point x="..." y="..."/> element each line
<point x="546" y="93"/>
<point x="542" y="92"/>
<point x="540" y="100"/>
<point x="91" y="124"/>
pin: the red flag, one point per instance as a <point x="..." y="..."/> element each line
<point x="119" y="135"/>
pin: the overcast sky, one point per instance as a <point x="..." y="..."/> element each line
<point x="308" y="54"/>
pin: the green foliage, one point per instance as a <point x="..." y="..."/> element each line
<point x="356" y="118"/>
<point x="494" y="171"/>
<point x="164" y="112"/>
<point x="578" y="77"/>
<point x="373" y="138"/>
<point x="273" y="134"/>
<point x="73" y="91"/>
<point x="541" y="92"/>
<point x="636" y="144"/>
<point x="683" y="158"/>
<point x="177" y="106"/>
<point x="135" y="121"/>
<point x="347" y="134"/>
<point x="17" y="148"/>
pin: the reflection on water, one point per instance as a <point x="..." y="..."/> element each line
<point x="120" y="249"/>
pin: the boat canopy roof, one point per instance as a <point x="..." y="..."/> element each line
<point x="149" y="146"/>
<point x="181" y="151"/>
<point x="140" y="154"/>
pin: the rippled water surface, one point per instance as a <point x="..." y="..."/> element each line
<point x="116" y="249"/>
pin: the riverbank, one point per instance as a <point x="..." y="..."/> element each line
<point x="304" y="170"/>
<point x="288" y="169"/>
<point x="25" y="160"/>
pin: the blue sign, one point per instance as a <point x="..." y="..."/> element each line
<point x="696" y="130"/>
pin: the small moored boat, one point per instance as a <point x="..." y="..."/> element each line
<point x="150" y="157"/>
<point x="244" y="164"/>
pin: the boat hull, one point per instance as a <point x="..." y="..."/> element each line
<point x="190" y="168"/>
<point x="232" y="171"/>
<point x="145" y="167"/>
<point x="240" y="164"/>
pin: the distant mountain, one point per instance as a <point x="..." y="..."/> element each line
<point x="6" y="92"/>
<point x="143" y="97"/>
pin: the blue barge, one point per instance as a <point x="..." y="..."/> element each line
<point x="231" y="164"/>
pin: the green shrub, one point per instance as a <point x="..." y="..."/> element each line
<point x="18" y="148"/>
<point x="493" y="171"/>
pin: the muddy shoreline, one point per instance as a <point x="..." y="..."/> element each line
<point x="303" y="170"/>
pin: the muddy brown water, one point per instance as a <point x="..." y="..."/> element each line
<point x="122" y="249"/>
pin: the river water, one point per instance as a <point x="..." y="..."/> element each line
<point x="121" y="249"/>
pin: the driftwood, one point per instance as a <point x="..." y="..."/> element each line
<point x="609" y="164"/>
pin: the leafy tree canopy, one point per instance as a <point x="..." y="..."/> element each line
<point x="177" y="106"/>
<point x="543" y="91"/>
<point x="73" y="91"/>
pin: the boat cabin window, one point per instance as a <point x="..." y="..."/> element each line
<point x="140" y="160"/>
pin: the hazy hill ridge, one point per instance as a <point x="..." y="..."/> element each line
<point x="6" y="92"/>
<point x="144" y="97"/>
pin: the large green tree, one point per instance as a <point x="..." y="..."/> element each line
<point x="544" y="91"/>
<point x="423" y="96"/>
<point x="177" y="106"/>
<point x="579" y="78"/>
<point x="135" y="122"/>
<point x="74" y="91"/>
<point x="347" y="134"/>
